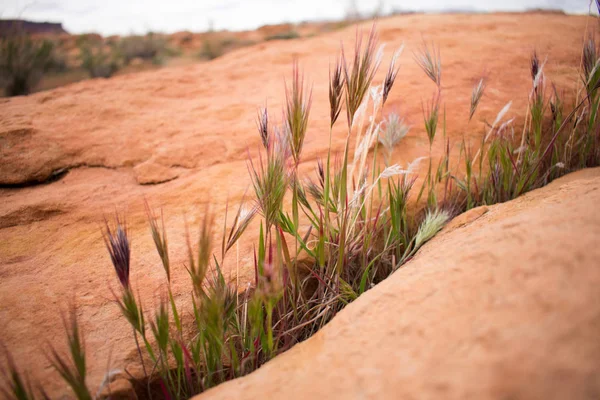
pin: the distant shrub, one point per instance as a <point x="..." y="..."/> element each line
<point x="211" y="49"/>
<point x="98" y="61"/>
<point x="215" y="46"/>
<point x="187" y="38"/>
<point x="58" y="61"/>
<point x="291" y="34"/>
<point x="23" y="62"/>
<point x="148" y="47"/>
<point x="88" y="39"/>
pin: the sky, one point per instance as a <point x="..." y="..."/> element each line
<point x="123" y="17"/>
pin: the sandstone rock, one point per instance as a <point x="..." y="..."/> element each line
<point x="148" y="173"/>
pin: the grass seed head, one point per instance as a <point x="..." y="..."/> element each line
<point x="262" y="124"/>
<point x="476" y="96"/>
<point x="118" y="247"/>
<point x="591" y="64"/>
<point x="198" y="269"/>
<point x="242" y="219"/>
<point x="270" y="181"/>
<point x="359" y="75"/>
<point x="430" y="62"/>
<point x="434" y="221"/>
<point x="390" y="77"/>
<point x="589" y="56"/>
<point x="297" y="110"/>
<point x="159" y="235"/>
<point x="336" y="91"/>
<point x="534" y="66"/>
<point x="430" y="116"/>
<point x="395" y="130"/>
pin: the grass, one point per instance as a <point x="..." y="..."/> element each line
<point x="365" y="220"/>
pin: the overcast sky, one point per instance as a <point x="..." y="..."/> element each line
<point x="140" y="16"/>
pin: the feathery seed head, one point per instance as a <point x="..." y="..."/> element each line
<point x="537" y="75"/>
<point x="591" y="63"/>
<point x="502" y="113"/>
<point x="396" y="169"/>
<point x="336" y="91"/>
<point x="270" y="180"/>
<point x="242" y="219"/>
<point x="315" y="190"/>
<point x="392" y="170"/>
<point x="279" y="143"/>
<point x="390" y="77"/>
<point x="430" y="62"/>
<point x="360" y="74"/>
<point x="434" y="221"/>
<point x="198" y="268"/>
<point x="117" y="244"/>
<point x="476" y="96"/>
<point x="159" y="235"/>
<point x="430" y="116"/>
<point x="395" y="130"/>
<point x="535" y="65"/>
<point x="298" y="104"/>
<point x="262" y="123"/>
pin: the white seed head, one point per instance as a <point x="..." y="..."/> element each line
<point x="502" y="113"/>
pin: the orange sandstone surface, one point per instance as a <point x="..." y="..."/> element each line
<point x="180" y="138"/>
